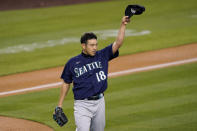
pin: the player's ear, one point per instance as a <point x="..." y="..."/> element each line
<point x="83" y="45"/>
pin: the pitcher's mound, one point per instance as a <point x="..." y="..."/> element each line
<point x="14" y="124"/>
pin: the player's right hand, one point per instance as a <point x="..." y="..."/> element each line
<point x="59" y="116"/>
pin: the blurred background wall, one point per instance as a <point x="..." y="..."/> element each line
<point x="24" y="4"/>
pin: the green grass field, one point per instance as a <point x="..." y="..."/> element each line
<point x="171" y="22"/>
<point x="160" y="100"/>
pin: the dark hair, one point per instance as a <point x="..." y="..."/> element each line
<point x="87" y="36"/>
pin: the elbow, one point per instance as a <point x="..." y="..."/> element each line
<point x="119" y="43"/>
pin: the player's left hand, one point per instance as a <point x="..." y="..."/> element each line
<point x="125" y="20"/>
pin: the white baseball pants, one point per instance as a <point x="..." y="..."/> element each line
<point x="90" y="115"/>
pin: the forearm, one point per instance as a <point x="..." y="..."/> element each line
<point x="63" y="92"/>
<point x="121" y="34"/>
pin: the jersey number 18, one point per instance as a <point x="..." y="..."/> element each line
<point x="100" y="76"/>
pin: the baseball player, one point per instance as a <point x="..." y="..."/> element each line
<point x="88" y="72"/>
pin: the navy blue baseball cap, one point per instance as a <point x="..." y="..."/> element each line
<point x="134" y="10"/>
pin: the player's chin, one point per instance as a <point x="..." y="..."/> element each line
<point x="93" y="53"/>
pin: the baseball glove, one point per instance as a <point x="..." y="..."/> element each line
<point x="60" y="117"/>
<point x="134" y="10"/>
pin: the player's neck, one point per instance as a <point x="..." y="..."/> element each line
<point x="85" y="54"/>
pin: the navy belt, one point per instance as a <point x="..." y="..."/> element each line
<point x="95" y="97"/>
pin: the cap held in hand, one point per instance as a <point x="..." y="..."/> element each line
<point x="134" y="10"/>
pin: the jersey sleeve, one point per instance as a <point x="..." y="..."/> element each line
<point x="67" y="74"/>
<point x="108" y="53"/>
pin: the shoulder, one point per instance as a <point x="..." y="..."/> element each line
<point x="109" y="47"/>
<point x="74" y="59"/>
<point x="107" y="52"/>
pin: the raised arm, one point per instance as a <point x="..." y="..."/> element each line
<point x="119" y="40"/>
<point x="63" y="92"/>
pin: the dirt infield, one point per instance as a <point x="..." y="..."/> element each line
<point x="14" y="124"/>
<point x="52" y="75"/>
<point x="35" y="78"/>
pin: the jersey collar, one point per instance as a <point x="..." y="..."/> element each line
<point x="86" y="56"/>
